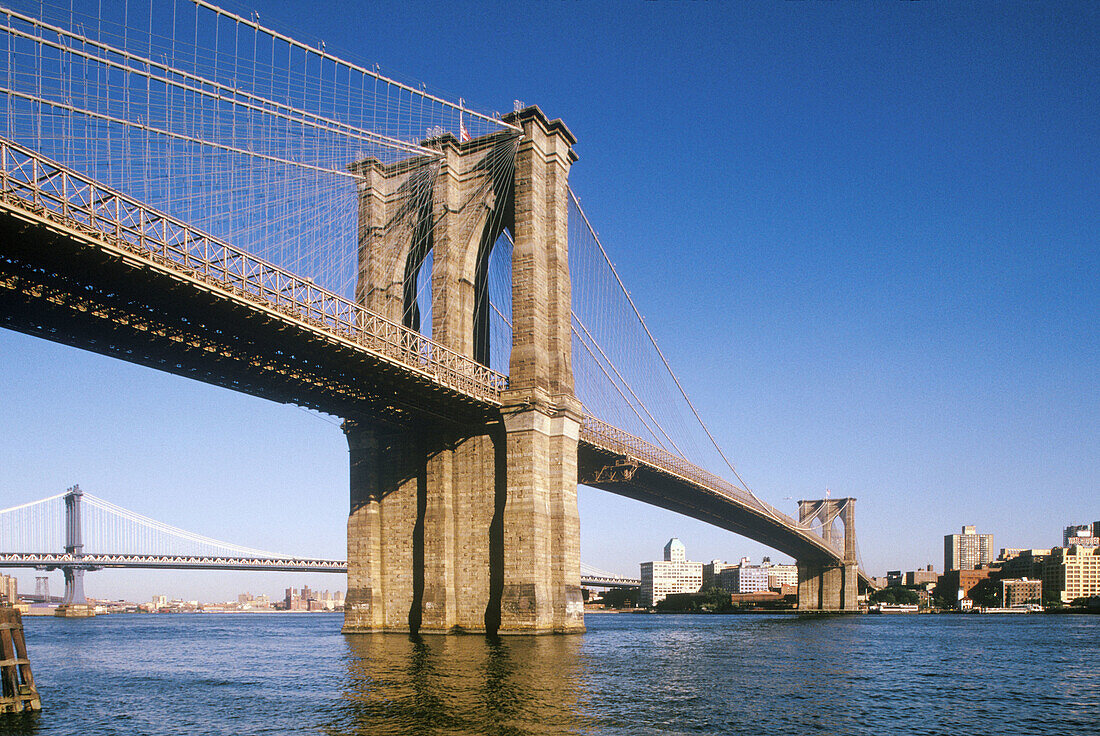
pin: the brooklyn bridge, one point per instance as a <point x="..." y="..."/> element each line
<point x="220" y="201"/>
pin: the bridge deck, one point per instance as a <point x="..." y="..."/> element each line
<point x="86" y="265"/>
<point x="53" y="561"/>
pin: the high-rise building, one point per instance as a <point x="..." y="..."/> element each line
<point x="674" y="574"/>
<point x="967" y="551"/>
<point x="9" y="590"/>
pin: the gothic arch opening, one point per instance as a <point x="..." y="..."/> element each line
<point x="416" y="312"/>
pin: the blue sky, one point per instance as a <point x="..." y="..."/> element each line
<point x="866" y="235"/>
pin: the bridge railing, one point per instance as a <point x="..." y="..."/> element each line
<point x="612" y="439"/>
<point x="35" y="183"/>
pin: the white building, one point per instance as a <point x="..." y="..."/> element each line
<point x="674" y="574"/>
<point x="744" y="578"/>
<point x="780" y="575"/>
<point x="1073" y="573"/>
<point x="967" y="551"/>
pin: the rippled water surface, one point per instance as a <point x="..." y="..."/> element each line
<point x="630" y="674"/>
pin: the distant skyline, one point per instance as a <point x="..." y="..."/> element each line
<point x="865" y="235"/>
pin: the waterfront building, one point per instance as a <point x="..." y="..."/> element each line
<point x="967" y="551"/>
<point x="1023" y="563"/>
<point x="332" y="601"/>
<point x="1072" y="572"/>
<point x="306" y="600"/>
<point x="894" y="578"/>
<point x="744" y="578"/>
<point x="673" y="574"/>
<point x="781" y="575"/>
<point x="917" y="578"/>
<point x="712" y="570"/>
<point x="159" y="601"/>
<point x="247" y="601"/>
<point x="955" y="585"/>
<point x="1018" y="592"/>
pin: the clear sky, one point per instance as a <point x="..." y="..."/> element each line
<point x="865" y="234"/>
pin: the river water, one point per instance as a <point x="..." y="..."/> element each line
<point x="630" y="674"/>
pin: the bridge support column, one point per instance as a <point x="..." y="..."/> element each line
<point x="381" y="525"/>
<point x="74" y="604"/>
<point x="542" y="590"/>
<point x="830" y="585"/>
<point x="459" y="512"/>
<point x="541" y="525"/>
<point x="419" y="547"/>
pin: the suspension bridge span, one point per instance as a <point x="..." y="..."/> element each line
<point x="76" y="532"/>
<point x="224" y="202"/>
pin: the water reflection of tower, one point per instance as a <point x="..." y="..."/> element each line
<point x="462" y="685"/>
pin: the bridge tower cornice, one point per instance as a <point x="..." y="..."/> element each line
<point x="552" y="137"/>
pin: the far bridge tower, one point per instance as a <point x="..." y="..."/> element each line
<point x="833" y="585"/>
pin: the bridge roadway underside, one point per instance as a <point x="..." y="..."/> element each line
<point x="652" y="486"/>
<point x="62" y="286"/>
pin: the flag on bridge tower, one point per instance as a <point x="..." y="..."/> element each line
<point x="463" y="134"/>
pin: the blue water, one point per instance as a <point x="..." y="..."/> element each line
<point x="630" y="674"/>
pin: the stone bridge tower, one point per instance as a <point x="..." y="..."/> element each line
<point x="830" y="586"/>
<point x="460" y="527"/>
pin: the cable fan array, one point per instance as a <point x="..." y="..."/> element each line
<point x="622" y="376"/>
<point x="38" y="526"/>
<point x="217" y="120"/>
<point x="106" y="528"/>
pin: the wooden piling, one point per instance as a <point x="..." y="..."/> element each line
<point x="18" y="693"/>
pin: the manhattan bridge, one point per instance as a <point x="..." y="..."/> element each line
<point x="184" y="188"/>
